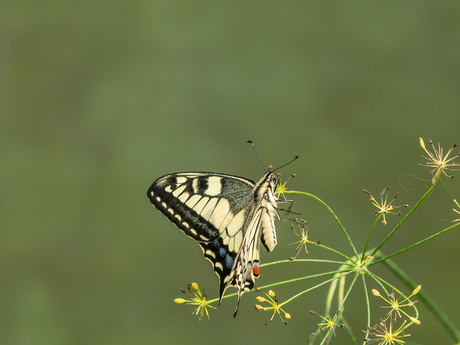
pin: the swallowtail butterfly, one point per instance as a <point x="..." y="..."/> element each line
<point x="228" y="216"/>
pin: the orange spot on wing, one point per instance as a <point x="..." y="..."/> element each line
<point x="255" y="269"/>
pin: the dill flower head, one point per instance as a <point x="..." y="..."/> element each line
<point x="395" y="304"/>
<point x="281" y="188"/>
<point x="437" y="161"/>
<point x="197" y="299"/>
<point x="328" y="326"/>
<point x="384" y="207"/>
<point x="386" y="335"/>
<point x="304" y="231"/>
<point x="273" y="305"/>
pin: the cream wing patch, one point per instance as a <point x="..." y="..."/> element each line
<point x="214" y="186"/>
<point x="221" y="214"/>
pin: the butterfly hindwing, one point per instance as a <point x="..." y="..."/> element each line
<point x="226" y="214"/>
<point x="261" y="227"/>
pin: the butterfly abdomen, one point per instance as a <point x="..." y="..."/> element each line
<point x="265" y="197"/>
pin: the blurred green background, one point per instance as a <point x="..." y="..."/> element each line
<point x="100" y="98"/>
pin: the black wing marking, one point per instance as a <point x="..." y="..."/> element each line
<point x="190" y="199"/>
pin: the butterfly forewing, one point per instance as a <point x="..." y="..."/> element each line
<point x="226" y="214"/>
<point x="192" y="201"/>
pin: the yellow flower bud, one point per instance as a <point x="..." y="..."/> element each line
<point x="417" y="289"/>
<point x="195" y="286"/>
<point x="179" y="300"/>
<point x="271" y="293"/>
<point x="422" y="144"/>
<point x="375" y="292"/>
<point x="414" y="320"/>
<point x="260" y="299"/>
<point x="258" y="307"/>
<point x="287" y="316"/>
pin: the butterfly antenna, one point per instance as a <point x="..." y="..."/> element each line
<point x="254" y="146"/>
<point x="286" y="163"/>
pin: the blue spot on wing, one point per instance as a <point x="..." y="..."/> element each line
<point x="228" y="261"/>
<point x="223" y="253"/>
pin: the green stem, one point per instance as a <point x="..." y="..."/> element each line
<point x="303" y="260"/>
<point x="379" y="281"/>
<point x="343" y="273"/>
<point x="368" y="306"/>
<point x="334" y="251"/>
<point x="415" y="244"/>
<point x="334" y="215"/>
<point x="353" y="339"/>
<point x="286" y="282"/>
<point x="369" y="237"/>
<point x="438" y="313"/>
<point x="329" y="299"/>
<point x="348" y="291"/>
<point x="331" y="250"/>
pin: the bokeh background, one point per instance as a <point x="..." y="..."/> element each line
<point x="100" y="98"/>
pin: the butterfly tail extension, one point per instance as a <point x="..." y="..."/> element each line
<point x="222" y="260"/>
<point x="247" y="284"/>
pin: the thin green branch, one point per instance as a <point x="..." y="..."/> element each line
<point x="334" y="215"/>
<point x="370" y="234"/>
<point x="368" y="306"/>
<point x="378" y="281"/>
<point x="343" y="273"/>
<point x="332" y="250"/>
<point x="304" y="260"/>
<point x="350" y="334"/>
<point x="415" y="244"/>
<point x="348" y="291"/>
<point x="329" y="298"/>
<point x="286" y="282"/>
